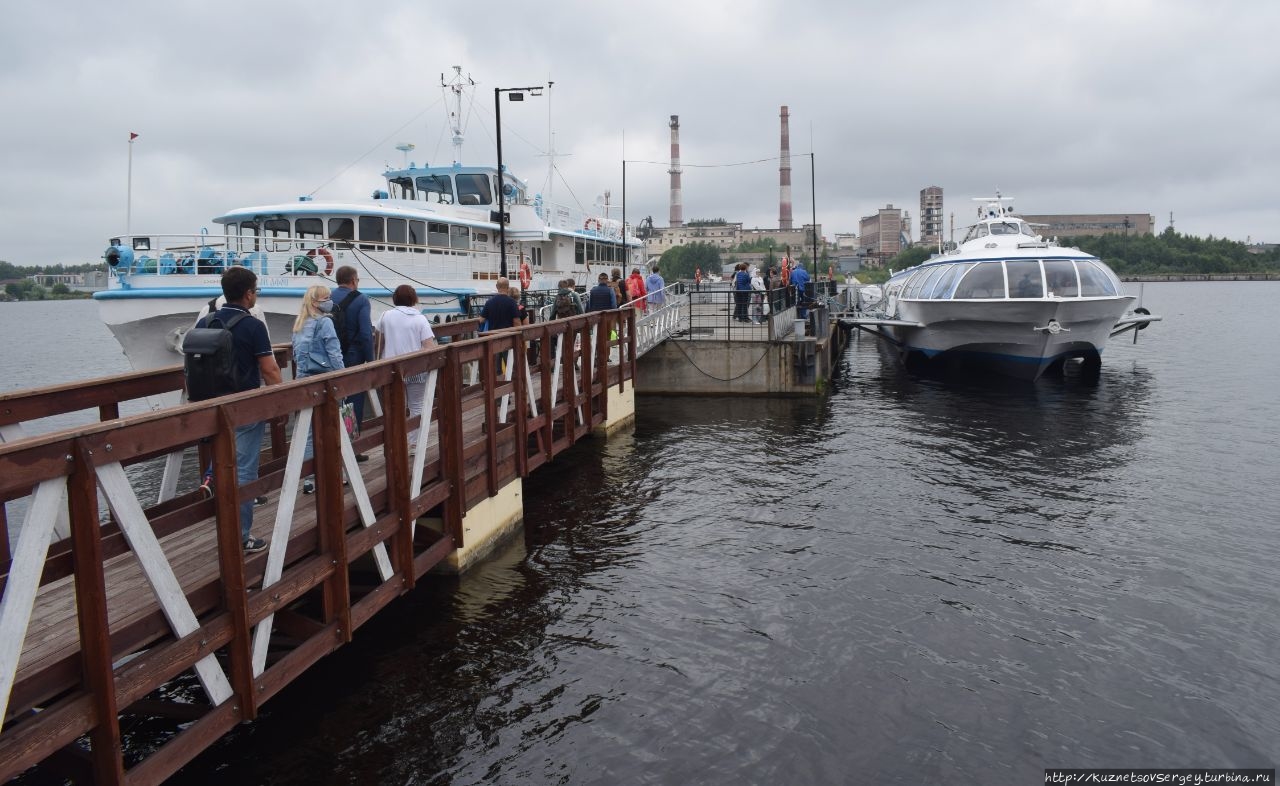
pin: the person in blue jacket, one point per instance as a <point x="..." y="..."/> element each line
<point x="741" y="292"/>
<point x="800" y="280"/>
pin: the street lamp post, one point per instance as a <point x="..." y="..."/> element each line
<point x="514" y="94"/>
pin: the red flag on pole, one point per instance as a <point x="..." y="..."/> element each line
<point x="132" y="136"/>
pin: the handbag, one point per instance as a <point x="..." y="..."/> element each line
<point x="347" y="414"/>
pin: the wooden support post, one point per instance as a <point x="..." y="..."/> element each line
<point x="235" y="596"/>
<point x="450" y="436"/>
<point x="330" y="504"/>
<point x="489" y="384"/>
<point x="588" y="374"/>
<point x="548" y="419"/>
<point x="602" y="363"/>
<point x="568" y="395"/>
<point x="521" y="399"/>
<point x="395" y="447"/>
<point x="91" y="614"/>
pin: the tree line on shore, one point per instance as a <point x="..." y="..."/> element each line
<point x="1168" y="253"/>
<point x="19" y="285"/>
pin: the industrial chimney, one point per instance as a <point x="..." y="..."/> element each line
<point x="784" y="176"/>
<point x="677" y="208"/>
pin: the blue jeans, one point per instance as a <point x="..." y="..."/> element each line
<point x="248" y="449"/>
<point x="354" y="357"/>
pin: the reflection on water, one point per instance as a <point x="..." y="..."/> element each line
<point x="911" y="581"/>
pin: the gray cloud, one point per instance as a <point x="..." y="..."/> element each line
<point x="1071" y="107"/>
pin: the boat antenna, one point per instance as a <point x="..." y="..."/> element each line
<point x="457" y="84"/>
<point x="551" y="146"/>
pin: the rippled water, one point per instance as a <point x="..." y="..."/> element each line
<point x="908" y="582"/>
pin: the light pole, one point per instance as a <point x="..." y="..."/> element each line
<point x="513" y="94"/>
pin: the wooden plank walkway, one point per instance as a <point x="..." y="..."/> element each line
<point x="92" y="628"/>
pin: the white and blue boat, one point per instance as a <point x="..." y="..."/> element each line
<point x="1005" y="299"/>
<point x="433" y="227"/>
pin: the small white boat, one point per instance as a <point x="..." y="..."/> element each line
<point x="433" y="227"/>
<point x="1005" y="299"/>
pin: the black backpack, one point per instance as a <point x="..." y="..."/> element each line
<point x="566" y="306"/>
<point x="209" y="359"/>
<point x="339" y="315"/>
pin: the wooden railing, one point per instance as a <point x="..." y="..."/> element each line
<point x="102" y="625"/>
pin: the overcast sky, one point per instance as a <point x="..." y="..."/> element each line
<point x="1119" y="107"/>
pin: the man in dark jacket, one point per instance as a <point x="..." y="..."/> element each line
<point x="741" y="292"/>
<point x="602" y="297"/>
<point x="358" y="327"/>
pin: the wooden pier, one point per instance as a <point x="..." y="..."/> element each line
<point x="105" y="625"/>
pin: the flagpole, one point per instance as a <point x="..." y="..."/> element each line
<point x="128" y="198"/>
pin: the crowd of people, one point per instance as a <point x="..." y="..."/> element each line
<point x="334" y="329"/>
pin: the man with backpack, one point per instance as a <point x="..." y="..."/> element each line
<point x="567" y="303"/>
<point x="229" y="352"/>
<point x="352" y="318"/>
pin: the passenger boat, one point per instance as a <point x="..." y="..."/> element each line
<point x="1006" y="299"/>
<point x="433" y="227"/>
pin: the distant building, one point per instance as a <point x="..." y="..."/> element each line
<point x="1092" y="224"/>
<point x="881" y="234"/>
<point x="930" y="215"/>
<point x="730" y="235"/>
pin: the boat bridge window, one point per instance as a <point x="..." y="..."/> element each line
<point x="474" y="189"/>
<point x="1024" y="278"/>
<point x="435" y="188"/>
<point x="1005" y="228"/>
<point x="1060" y="276"/>
<point x="372" y="228"/>
<point x="985" y="280"/>
<point x="342" y="229"/>
<point x="402" y="188"/>
<point x="1094" y="281"/>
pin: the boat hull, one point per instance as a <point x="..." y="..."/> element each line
<point x="1015" y="338"/>
<point x="150" y="317"/>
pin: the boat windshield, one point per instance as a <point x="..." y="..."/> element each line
<point x="1006" y="228"/>
<point x="985" y="280"/>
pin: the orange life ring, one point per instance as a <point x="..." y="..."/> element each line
<point x="591" y="224"/>
<point x="526" y="275"/>
<point x="328" y="258"/>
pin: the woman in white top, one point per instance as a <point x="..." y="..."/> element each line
<point x="316" y="348"/>
<point x="401" y="331"/>
<point x="757" y="296"/>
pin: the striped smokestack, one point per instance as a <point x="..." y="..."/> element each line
<point x="784" y="176"/>
<point x="677" y="208"/>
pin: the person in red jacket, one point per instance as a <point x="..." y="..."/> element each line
<point x="636" y="289"/>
